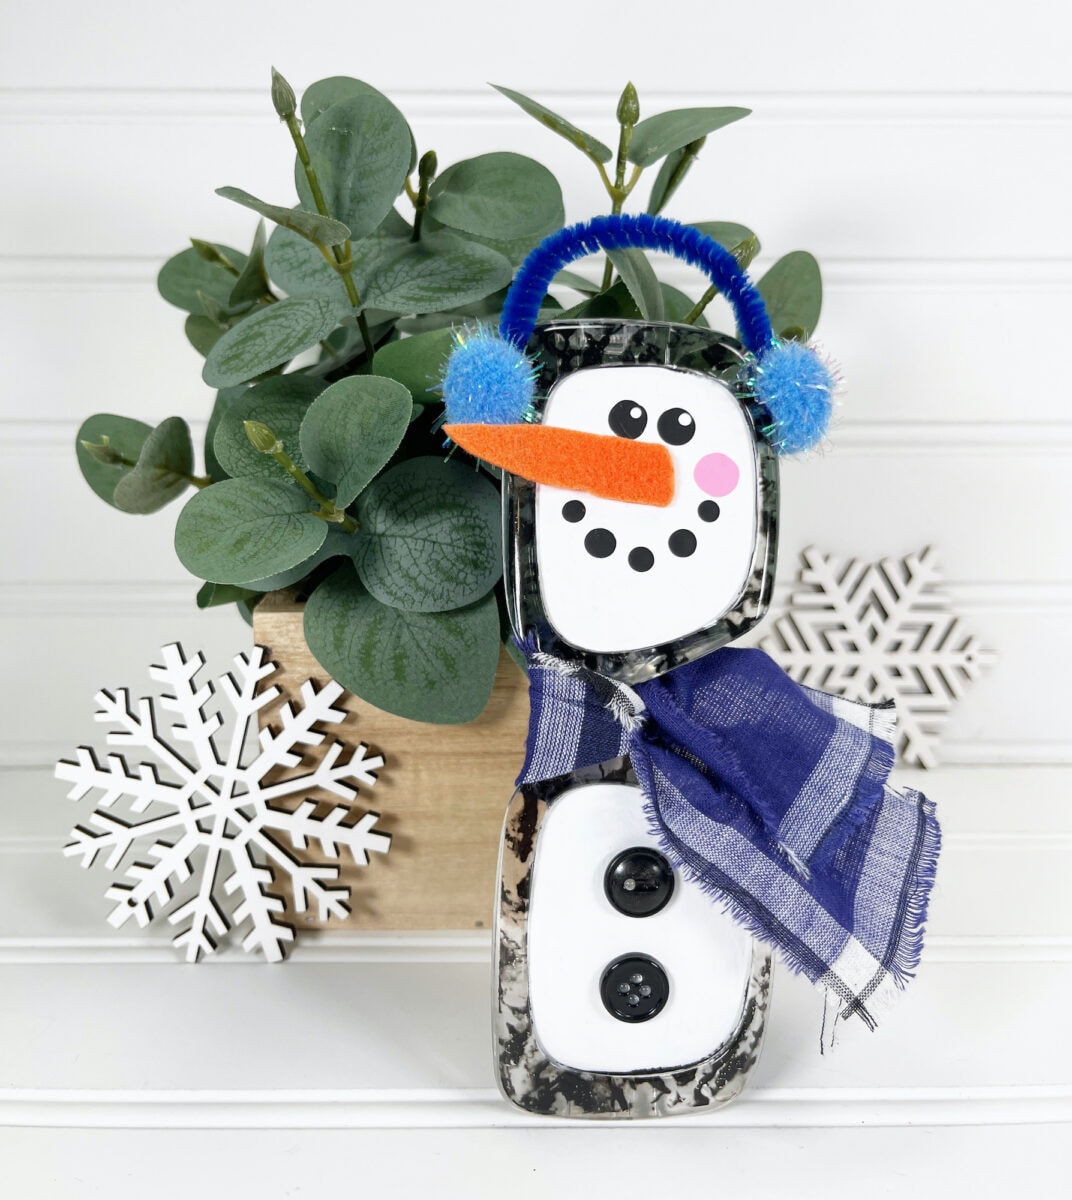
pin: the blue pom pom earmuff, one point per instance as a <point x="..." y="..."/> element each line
<point x="489" y="379"/>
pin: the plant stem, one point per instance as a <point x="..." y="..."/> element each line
<point x="700" y="305"/>
<point x="264" y="440"/>
<point x="102" y="451"/>
<point x="628" y="114"/>
<point x="329" y="510"/>
<point x="426" y="172"/>
<point x="692" y="151"/>
<point x="341" y="258"/>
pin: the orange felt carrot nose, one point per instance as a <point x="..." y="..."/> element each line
<point x="612" y="467"/>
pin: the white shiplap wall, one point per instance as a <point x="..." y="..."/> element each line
<point x="921" y="153"/>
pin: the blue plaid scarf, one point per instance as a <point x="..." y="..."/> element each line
<point x="769" y="795"/>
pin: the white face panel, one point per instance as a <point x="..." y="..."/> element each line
<point x="616" y="577"/>
<point x="574" y="933"/>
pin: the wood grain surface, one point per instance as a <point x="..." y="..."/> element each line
<point x="441" y="793"/>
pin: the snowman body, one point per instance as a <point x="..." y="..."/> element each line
<point x="623" y="990"/>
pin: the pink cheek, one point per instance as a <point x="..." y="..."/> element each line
<point x="716" y="474"/>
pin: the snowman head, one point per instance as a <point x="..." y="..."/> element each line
<point x="633" y="588"/>
<point x="640" y="481"/>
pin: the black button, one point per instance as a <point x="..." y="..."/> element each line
<point x="634" y="988"/>
<point x="639" y="882"/>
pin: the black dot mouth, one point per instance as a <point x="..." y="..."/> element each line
<point x="682" y="543"/>
<point x="602" y="543"/>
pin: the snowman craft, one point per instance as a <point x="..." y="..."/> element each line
<point x="680" y="812"/>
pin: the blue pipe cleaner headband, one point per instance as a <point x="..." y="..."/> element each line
<point x="489" y="380"/>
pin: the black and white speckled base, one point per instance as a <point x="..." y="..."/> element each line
<point x="527" y="1075"/>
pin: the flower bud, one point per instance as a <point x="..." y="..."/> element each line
<point x="283" y="98"/>
<point x="261" y="438"/>
<point x="628" y="106"/>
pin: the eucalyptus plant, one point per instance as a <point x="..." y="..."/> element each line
<point x="324" y="468"/>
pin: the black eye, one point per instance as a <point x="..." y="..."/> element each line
<point x="627" y="419"/>
<point x="676" y="426"/>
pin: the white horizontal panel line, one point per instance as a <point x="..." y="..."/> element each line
<point x="990" y="750"/>
<point x="345" y="948"/>
<point x="475" y="1108"/>
<point x="483" y="106"/>
<point x="120" y="599"/>
<point x="997" y="752"/>
<point x="1022" y="842"/>
<point x="51" y="437"/>
<point x="30" y="844"/>
<point x="96" y="599"/>
<point x="984" y="948"/>
<point x="1051" y="438"/>
<point x="62" y="273"/>
<point x="1030" y="842"/>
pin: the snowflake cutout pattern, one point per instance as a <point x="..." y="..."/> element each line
<point x="216" y="811"/>
<point x="876" y="632"/>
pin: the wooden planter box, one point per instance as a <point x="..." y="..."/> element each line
<point x="441" y="793"/>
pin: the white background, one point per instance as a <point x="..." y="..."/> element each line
<point x="921" y="151"/>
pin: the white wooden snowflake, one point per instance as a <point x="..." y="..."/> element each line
<point x="210" y="818"/>
<point x="880" y="631"/>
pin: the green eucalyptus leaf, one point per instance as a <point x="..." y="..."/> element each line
<point x="672" y="171"/>
<point x="793" y="292"/>
<point x="615" y="303"/>
<point x="124" y="438"/>
<point x="326" y="93"/>
<point x="657" y="136"/>
<point x="203" y="332"/>
<point x="578" y="283"/>
<point x="299" y="269"/>
<point x="252" y="284"/>
<point x="417" y="363"/>
<point x="281" y="404"/>
<point x="309" y="225"/>
<point x="212" y="595"/>
<point x="217" y="312"/>
<point x="320" y="96"/>
<point x="244" y="529"/>
<point x="360" y="148"/>
<point x="638" y="275"/>
<point x="224" y="402"/>
<point x="434" y="667"/>
<point x="577" y="137"/>
<point x="430" y="536"/>
<point x="728" y="234"/>
<point x="245" y="610"/>
<point x="337" y="544"/>
<point x="352" y="429"/>
<point x="678" y="306"/>
<point x="438" y="273"/>
<point x="514" y="250"/>
<point x="502" y="195"/>
<point x="187" y="273"/>
<point x="268" y="338"/>
<point x="162" y="470"/>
